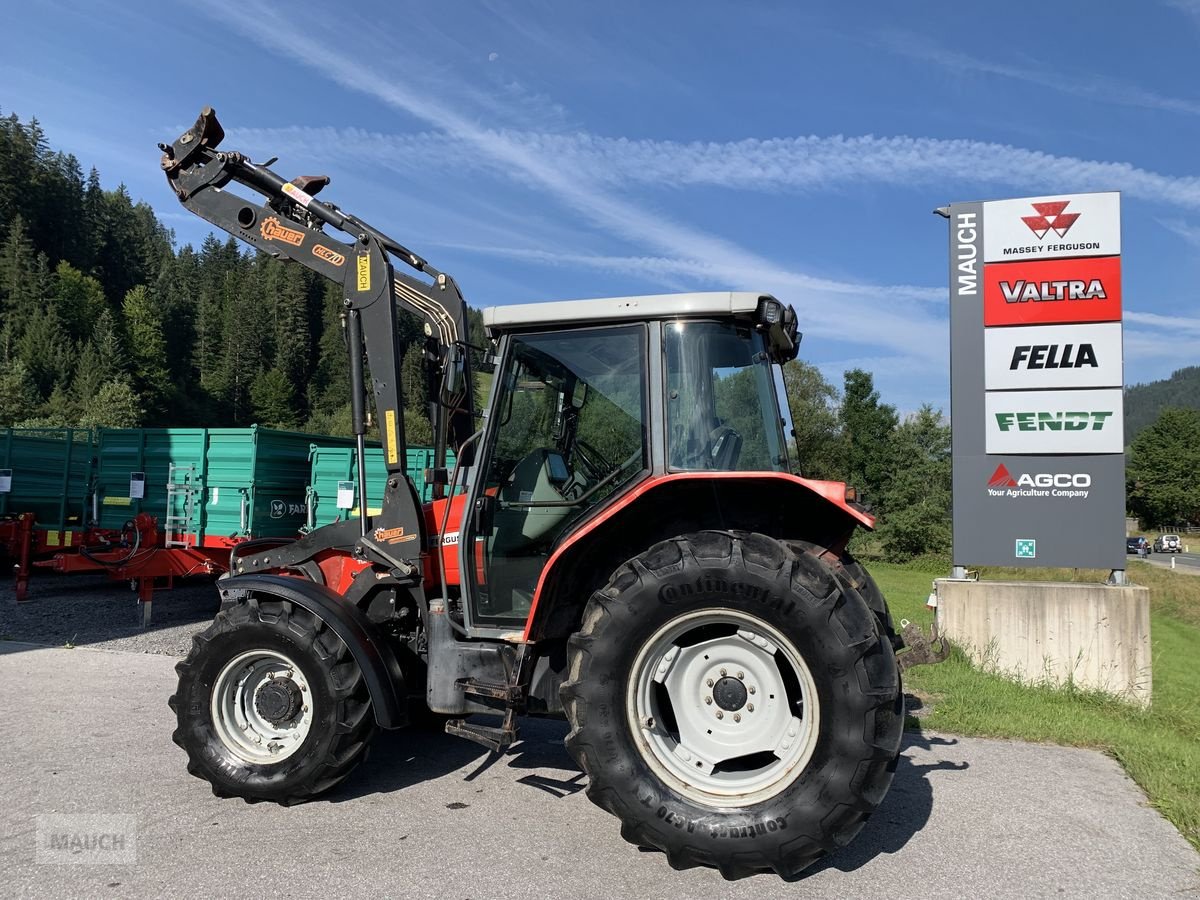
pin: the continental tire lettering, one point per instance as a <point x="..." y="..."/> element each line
<point x="768" y="826"/>
<point x="673" y="593"/>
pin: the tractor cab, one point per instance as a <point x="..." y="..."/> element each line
<point x="591" y="399"/>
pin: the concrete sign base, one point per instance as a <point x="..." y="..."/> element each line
<point x="1093" y="635"/>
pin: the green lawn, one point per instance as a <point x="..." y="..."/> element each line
<point x="1159" y="747"/>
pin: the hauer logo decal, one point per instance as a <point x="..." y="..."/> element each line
<point x="1072" y="485"/>
<point x="1052" y="421"/>
<point x="1021" y="291"/>
<point x="273" y="230"/>
<point x="1049" y="356"/>
<point x="1051" y="217"/>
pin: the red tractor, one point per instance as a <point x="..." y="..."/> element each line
<point x="621" y="542"/>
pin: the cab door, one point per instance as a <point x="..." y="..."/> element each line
<point x="567" y="429"/>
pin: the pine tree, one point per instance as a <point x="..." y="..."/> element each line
<point x="868" y="426"/>
<point x="78" y="299"/>
<point x="45" y="351"/>
<point x="148" y="351"/>
<point x="274" y="400"/>
<point x="115" y="405"/>
<point x="19" y="398"/>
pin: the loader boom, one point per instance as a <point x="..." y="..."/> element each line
<point x="286" y="221"/>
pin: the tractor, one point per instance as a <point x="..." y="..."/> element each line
<point x="621" y="542"/>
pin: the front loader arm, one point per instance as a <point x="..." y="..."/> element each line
<point x="289" y="223"/>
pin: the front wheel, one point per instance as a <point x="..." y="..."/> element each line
<point x="734" y="703"/>
<point x="271" y="704"/>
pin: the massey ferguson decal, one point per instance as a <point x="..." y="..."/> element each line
<point x="1053" y="291"/>
<point x="1049" y="227"/>
<point x="1052" y="356"/>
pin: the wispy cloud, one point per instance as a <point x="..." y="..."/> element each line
<point x="808" y="163"/>
<point x="1091" y="86"/>
<point x="895" y="323"/>
<point x="1176" y="324"/>
<point x="1190" y="233"/>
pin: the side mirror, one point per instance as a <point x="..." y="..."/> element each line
<point x="454" y="376"/>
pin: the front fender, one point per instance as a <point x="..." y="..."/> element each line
<point x="375" y="658"/>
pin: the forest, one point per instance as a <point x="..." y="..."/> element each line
<point x="104" y="322"/>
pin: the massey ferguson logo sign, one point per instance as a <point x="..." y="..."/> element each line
<point x="1072" y="486"/>
<point x="1052" y="292"/>
<point x="1051" y="216"/>
<point x="1052" y="356"/>
<point x="1052" y="227"/>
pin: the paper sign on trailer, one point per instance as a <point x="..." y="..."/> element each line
<point x="1039" y="357"/>
<point x="1059" y="226"/>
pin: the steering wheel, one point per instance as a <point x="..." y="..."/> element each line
<point x="594" y="464"/>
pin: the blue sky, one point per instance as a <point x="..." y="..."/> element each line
<point x="548" y="150"/>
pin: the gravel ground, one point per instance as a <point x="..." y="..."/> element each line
<point x="92" y="611"/>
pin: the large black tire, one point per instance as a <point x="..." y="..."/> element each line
<point x="852" y="571"/>
<point x="342" y="722"/>
<point x="843" y="644"/>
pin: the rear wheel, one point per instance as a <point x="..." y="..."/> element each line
<point x="734" y="702"/>
<point x="271" y="704"/>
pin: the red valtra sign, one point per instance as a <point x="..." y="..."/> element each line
<point x="1052" y="291"/>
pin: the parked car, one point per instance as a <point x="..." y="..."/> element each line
<point x="1168" y="543"/>
<point x="1136" y="544"/>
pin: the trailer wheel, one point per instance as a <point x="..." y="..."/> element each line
<point x="271" y="704"/>
<point x="734" y="703"/>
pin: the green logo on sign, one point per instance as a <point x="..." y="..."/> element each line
<point x="1052" y="421"/>
<point x="1026" y="548"/>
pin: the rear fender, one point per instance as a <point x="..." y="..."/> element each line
<point x="774" y="503"/>
<point x="375" y="658"/>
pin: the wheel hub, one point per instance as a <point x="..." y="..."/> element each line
<point x="278" y="700"/>
<point x="730" y="694"/>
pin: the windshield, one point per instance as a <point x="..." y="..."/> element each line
<point x="722" y="412"/>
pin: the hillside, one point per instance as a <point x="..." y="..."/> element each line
<point x="1143" y="402"/>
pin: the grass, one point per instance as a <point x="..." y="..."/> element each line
<point x="1159" y="747"/>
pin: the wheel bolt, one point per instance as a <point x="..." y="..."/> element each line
<point x="724" y="673"/>
<point x="709" y="682"/>
<point x="720" y="715"/>
<point x="305" y="709"/>
<point x="741" y="674"/>
<point x="737" y="717"/>
<point x="708" y="700"/>
<point x="750" y="707"/>
<point x="753" y="689"/>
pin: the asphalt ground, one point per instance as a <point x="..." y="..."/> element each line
<point x="1184" y="562"/>
<point x="87" y="731"/>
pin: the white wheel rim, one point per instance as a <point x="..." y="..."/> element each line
<point x="239" y="723"/>
<point x="697" y="736"/>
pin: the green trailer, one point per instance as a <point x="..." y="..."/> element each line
<point x="207" y="487"/>
<point x="46" y="471"/>
<point x="333" y="484"/>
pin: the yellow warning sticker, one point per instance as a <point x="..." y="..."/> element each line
<point x="364" y="273"/>
<point x="115" y="501"/>
<point x="51" y="538"/>
<point x="389" y="421"/>
<point x="68" y="536"/>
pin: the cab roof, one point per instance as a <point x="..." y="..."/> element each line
<point x="498" y="319"/>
